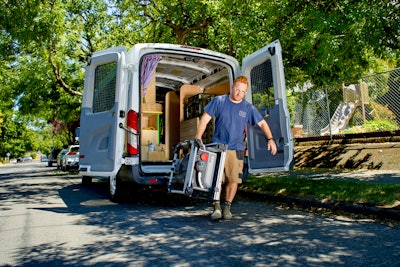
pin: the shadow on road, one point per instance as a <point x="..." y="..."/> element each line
<point x="159" y="229"/>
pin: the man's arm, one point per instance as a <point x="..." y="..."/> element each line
<point x="268" y="134"/>
<point x="205" y="118"/>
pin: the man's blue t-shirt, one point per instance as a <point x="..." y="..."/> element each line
<point x="231" y="120"/>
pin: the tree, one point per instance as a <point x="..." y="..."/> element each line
<point x="324" y="41"/>
<point x="17" y="138"/>
<point x="44" y="44"/>
<point x="333" y="41"/>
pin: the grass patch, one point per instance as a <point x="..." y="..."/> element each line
<point x="333" y="190"/>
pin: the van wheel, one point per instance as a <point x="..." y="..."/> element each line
<point x="86" y="180"/>
<point x="118" y="190"/>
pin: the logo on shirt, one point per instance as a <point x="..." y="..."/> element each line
<point x="242" y="113"/>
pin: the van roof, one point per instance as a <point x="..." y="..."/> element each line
<point x="175" y="70"/>
<point x="181" y="64"/>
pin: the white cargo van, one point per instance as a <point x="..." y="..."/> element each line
<point x="139" y="104"/>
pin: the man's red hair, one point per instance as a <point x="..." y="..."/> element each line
<point x="241" y="79"/>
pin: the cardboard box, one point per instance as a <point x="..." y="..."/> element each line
<point x="148" y="136"/>
<point x="149" y="121"/>
<point x="151" y="108"/>
<point x="156" y="156"/>
<point x="144" y="152"/>
<point x="188" y="129"/>
<point x="150" y="96"/>
<point x="153" y="121"/>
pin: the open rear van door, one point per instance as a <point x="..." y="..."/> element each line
<point x="264" y="69"/>
<point x="101" y="140"/>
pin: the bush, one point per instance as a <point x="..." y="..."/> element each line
<point x="373" y="126"/>
<point x="379" y="126"/>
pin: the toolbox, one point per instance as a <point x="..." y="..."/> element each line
<point x="198" y="169"/>
<point x="195" y="105"/>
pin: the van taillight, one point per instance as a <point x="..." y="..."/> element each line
<point x="132" y="140"/>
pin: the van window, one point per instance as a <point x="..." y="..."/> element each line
<point x="262" y="87"/>
<point x="105" y="78"/>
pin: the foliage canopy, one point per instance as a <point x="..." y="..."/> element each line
<point x="44" y="44"/>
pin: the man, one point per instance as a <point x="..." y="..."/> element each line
<point x="232" y="112"/>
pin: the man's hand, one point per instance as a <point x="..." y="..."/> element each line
<point x="267" y="132"/>
<point x="199" y="143"/>
<point x="272" y="146"/>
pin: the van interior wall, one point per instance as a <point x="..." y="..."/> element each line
<point x="174" y="114"/>
<point x="150" y="132"/>
<point x="220" y="89"/>
<point x="172" y="121"/>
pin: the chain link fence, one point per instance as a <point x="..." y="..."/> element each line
<point x="372" y="105"/>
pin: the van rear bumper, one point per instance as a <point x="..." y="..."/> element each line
<point x="131" y="173"/>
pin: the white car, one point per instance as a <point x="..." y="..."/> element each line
<point x="70" y="161"/>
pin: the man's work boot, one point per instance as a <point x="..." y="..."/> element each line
<point x="227" y="211"/>
<point x="217" y="213"/>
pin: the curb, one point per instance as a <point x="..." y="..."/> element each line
<point x="364" y="210"/>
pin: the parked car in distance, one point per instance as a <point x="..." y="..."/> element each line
<point x="52" y="158"/>
<point x="60" y="158"/>
<point x="44" y="158"/>
<point x="70" y="160"/>
<point x="27" y="159"/>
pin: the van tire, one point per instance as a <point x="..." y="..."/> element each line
<point x="118" y="190"/>
<point x="86" y="180"/>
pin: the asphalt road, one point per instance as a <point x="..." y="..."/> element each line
<point x="47" y="218"/>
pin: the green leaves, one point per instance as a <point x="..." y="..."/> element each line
<point x="329" y="42"/>
<point x="16" y="138"/>
<point x="44" y="44"/>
